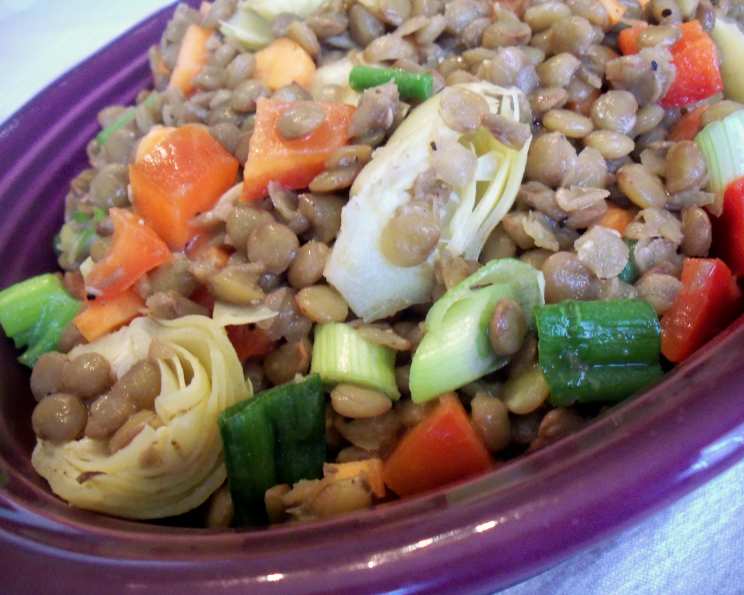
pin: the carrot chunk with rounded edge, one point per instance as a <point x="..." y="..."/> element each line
<point x="695" y="60"/>
<point x="179" y="174"/>
<point x="192" y="56"/>
<point x="284" y="62"/>
<point x="688" y="125"/>
<point x="441" y="449"/>
<point x="292" y="163"/>
<point x="617" y="218"/>
<point x="135" y="250"/>
<point x="708" y="301"/>
<point x="101" y="317"/>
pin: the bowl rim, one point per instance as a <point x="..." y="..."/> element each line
<point x="486" y="532"/>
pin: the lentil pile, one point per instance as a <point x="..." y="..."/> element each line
<point x="611" y="203"/>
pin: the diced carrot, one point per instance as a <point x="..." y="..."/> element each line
<point x="617" y="218"/>
<point x="615" y="10"/>
<point x="687" y="127"/>
<point x="369" y="469"/>
<point x="284" y="62"/>
<point x="178" y="175"/>
<point x="135" y="250"/>
<point x="627" y="39"/>
<point x="101" y="317"/>
<point x="249" y="342"/>
<point x="201" y="249"/>
<point x="441" y="449"/>
<point x="292" y="163"/>
<point x="192" y="56"/>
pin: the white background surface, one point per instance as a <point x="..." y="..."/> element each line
<point x="694" y="547"/>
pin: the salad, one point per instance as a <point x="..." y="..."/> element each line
<point x="344" y="252"/>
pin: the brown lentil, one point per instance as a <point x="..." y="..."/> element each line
<point x="324" y="214"/>
<point x="290" y="359"/>
<point x="507" y="327"/>
<point x="550" y="158"/>
<point x="357" y="402"/>
<point x="462" y="110"/>
<point x="322" y="303"/>
<point x="107" y="414"/>
<point x="526" y="392"/>
<point x="307" y="267"/>
<point x="273" y="245"/>
<point x="685" y="167"/>
<point x="603" y="251"/>
<point x="642" y="187"/>
<point x="571" y="124"/>
<point x="659" y="290"/>
<point x="242" y="221"/>
<point x="139" y="385"/>
<point x="46" y="376"/>
<point x="410" y="235"/>
<point x="490" y="418"/>
<point x="59" y="417"/>
<point x="87" y="376"/>
<point x="221" y="511"/>
<point x="541" y="16"/>
<point x="341" y="497"/>
<point x="567" y="278"/>
<point x="131" y="428"/>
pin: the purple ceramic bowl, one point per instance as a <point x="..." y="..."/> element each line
<point x="477" y="535"/>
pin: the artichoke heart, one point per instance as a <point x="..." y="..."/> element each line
<point x="163" y="471"/>
<point x="373" y="286"/>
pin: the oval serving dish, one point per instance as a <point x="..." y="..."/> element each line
<point x="478" y="535"/>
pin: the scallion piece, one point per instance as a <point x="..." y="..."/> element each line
<point x="34" y="313"/>
<point x="722" y="145"/>
<point x="276" y="437"/>
<point x="411" y="85"/>
<point x="455" y="349"/>
<point x="341" y="355"/>
<point x="598" y="350"/>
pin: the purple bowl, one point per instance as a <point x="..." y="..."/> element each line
<point x="478" y="535"/>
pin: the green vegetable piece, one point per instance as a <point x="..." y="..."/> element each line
<point x="630" y="273"/>
<point x="598" y="350"/>
<point x="411" y="85"/>
<point x="248" y="28"/>
<point x="455" y="349"/>
<point x="722" y="146"/>
<point x="340" y="355"/>
<point x="730" y="42"/>
<point x="276" y="437"/>
<point x="34" y="313"/>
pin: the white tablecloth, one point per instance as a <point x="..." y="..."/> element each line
<point x="694" y="547"/>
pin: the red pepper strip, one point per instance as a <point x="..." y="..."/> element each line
<point x="708" y="301"/>
<point x="729" y="232"/>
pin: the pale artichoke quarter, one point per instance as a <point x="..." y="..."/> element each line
<point x="375" y="288"/>
<point x="171" y="469"/>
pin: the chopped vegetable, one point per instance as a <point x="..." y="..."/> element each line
<point x="357" y="262"/>
<point x="270" y="9"/>
<point x="442" y="448"/>
<point x="335" y="75"/>
<point x="135" y="250"/>
<point x="226" y="314"/>
<point x="74" y="240"/>
<point x="34" y="313"/>
<point x="695" y="60"/>
<point x="456" y="349"/>
<point x="722" y="145"/>
<point x="411" y="85"/>
<point x="617" y="218"/>
<point x="101" y="317"/>
<point x="370" y="470"/>
<point x="192" y="56"/>
<point x="729" y="234"/>
<point x="630" y="273"/>
<point x="249" y="342"/>
<point x="183" y="173"/>
<point x="730" y="42"/>
<point x="291" y="163"/>
<point x="284" y="62"/>
<point x="688" y="125"/>
<point x="276" y="437"/>
<point x="341" y="355"/>
<point x="708" y="301"/>
<point x="247" y="27"/>
<point x="124" y="118"/>
<point x="598" y="350"/>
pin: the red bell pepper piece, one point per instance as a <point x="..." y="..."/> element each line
<point x="441" y="449"/>
<point x="179" y="173"/>
<point x="730" y="227"/>
<point x="696" y="61"/>
<point x="708" y="301"/>
<point x="135" y="250"/>
<point x="292" y="163"/>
